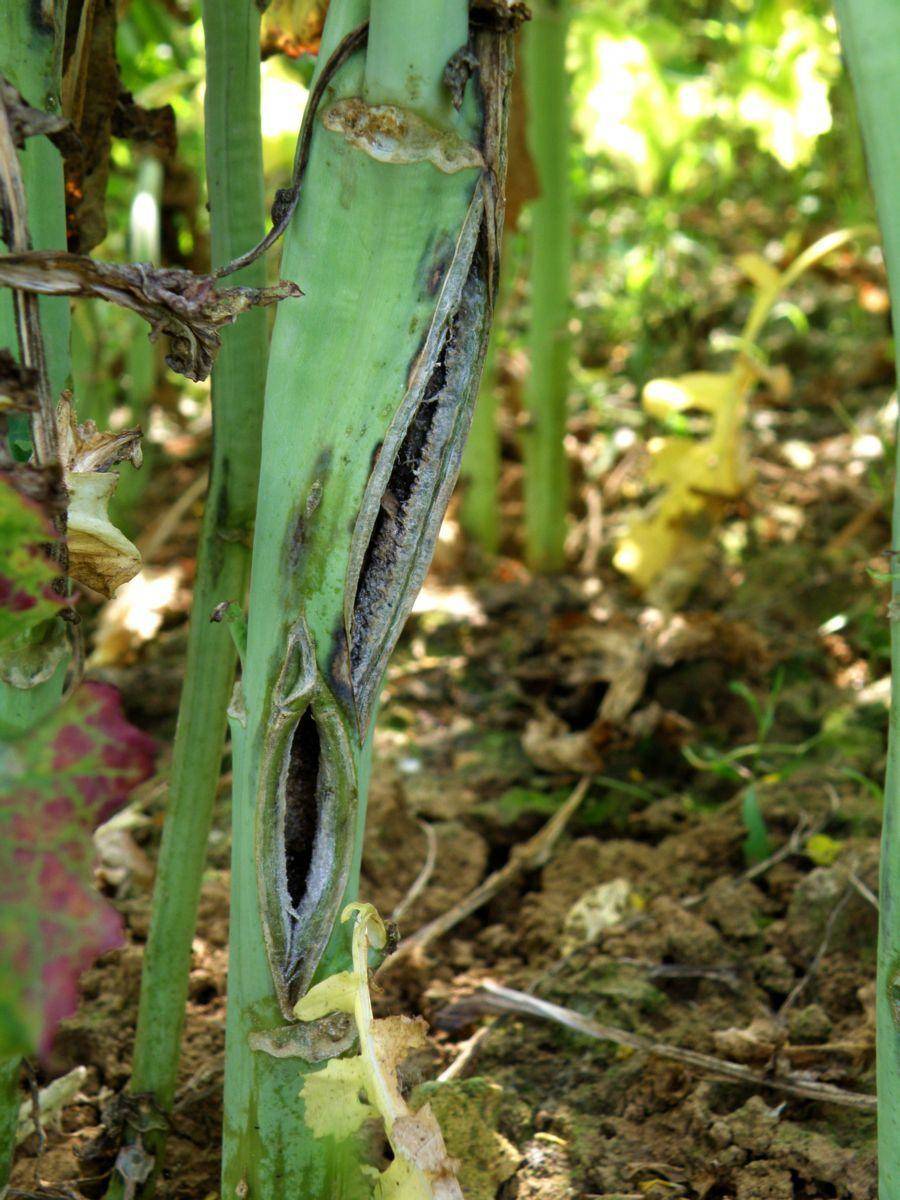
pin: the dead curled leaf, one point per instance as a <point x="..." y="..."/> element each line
<point x="186" y="308"/>
<point x="552" y="746"/>
<point x="100" y="555"/>
<point x="25" y="121"/>
<point x="621" y="655"/>
<point x="757" y="1043"/>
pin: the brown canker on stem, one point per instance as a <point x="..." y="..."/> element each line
<point x="413" y="476"/>
<point x="306" y="817"/>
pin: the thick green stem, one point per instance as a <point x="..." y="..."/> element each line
<point x="368" y="399"/>
<point x="479" y="507"/>
<point x="10" y="1100"/>
<point x="30" y="57"/>
<point x="400" y="67"/>
<point x="235" y="183"/>
<point x="546" y="483"/>
<point x="870" y="33"/>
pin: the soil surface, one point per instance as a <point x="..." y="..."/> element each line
<point x="714" y="892"/>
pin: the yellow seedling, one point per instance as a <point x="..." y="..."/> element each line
<point x="698" y="475"/>
<point x="350" y="1091"/>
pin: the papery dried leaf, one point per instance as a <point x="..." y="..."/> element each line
<point x="501" y="15"/>
<point x="100" y="556"/>
<point x="419" y="1139"/>
<point x="26" y="122"/>
<point x="90" y="86"/>
<point x="553" y="747"/>
<point x="293" y="27"/>
<point x="396" y="1038"/>
<point x="146" y="126"/>
<point x="56" y="785"/>
<point x="84" y="448"/>
<point x="402" y="1181"/>
<point x="469" y="1112"/>
<point x="184" y="307"/>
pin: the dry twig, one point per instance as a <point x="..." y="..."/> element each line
<point x="528" y="857"/>
<point x="421" y="880"/>
<point x="494" y="997"/>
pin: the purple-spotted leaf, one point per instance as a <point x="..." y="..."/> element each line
<point x="26" y="573"/>
<point x="56" y="785"/>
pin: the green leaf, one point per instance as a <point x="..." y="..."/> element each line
<point x="757" y="846"/>
<point x="26" y="573"/>
<point x="334" y="994"/>
<point x="56" y="785"/>
<point x="332" y="1106"/>
<point x="823" y="850"/>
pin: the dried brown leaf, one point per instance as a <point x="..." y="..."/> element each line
<point x="184" y="307"/>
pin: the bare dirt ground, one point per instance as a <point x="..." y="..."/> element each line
<point x="714" y="892"/>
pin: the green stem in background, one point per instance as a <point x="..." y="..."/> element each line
<point x="479" y="506"/>
<point x="30" y="58"/>
<point x="141" y="355"/>
<point x="10" y="1100"/>
<point x="870" y="34"/>
<point x="235" y="184"/>
<point x="546" y="482"/>
<point x="92" y="382"/>
<point x="371" y="379"/>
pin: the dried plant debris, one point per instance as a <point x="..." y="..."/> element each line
<point x="184" y="307"/>
<point x="100" y="108"/>
<point x="502" y="16"/>
<point x="17" y="386"/>
<point x="90" y="88"/>
<point x="26" y="122"/>
<point x="412" y="479"/>
<point x="293" y="27"/>
<point x="348" y="1092"/>
<point x="100" y="555"/>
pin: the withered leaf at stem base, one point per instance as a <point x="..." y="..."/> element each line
<point x="186" y="308"/>
<point x="26" y="121"/>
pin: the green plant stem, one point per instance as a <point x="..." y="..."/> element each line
<point x="400" y="68"/>
<point x="375" y="247"/>
<point x="9" y="1115"/>
<point x="142" y="356"/>
<point x="870" y="33"/>
<point x="235" y="184"/>
<point x="30" y="58"/>
<point x="546" y="482"/>
<point x="479" y="510"/>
